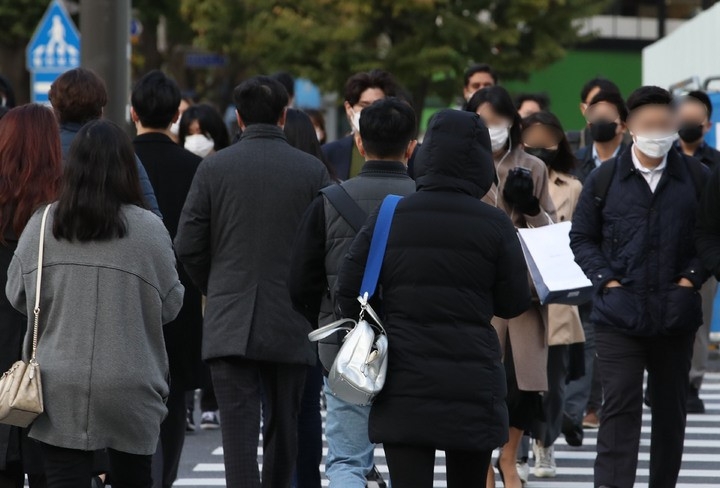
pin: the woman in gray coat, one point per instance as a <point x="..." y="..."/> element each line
<point x="109" y="284"/>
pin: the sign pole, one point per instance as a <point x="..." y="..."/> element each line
<point x="105" y="29"/>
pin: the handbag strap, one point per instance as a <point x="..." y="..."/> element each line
<point x="377" y="248"/>
<point x="330" y="329"/>
<point x="38" y="285"/>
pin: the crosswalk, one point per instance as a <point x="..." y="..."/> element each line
<point x="701" y="460"/>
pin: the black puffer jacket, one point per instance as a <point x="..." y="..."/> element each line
<point x="452" y="262"/>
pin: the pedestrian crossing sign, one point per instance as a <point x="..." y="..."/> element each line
<point x="55" y="45"/>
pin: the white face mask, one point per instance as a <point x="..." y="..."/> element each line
<point x="199" y="144"/>
<point x="655" y="145"/>
<point x="498" y="137"/>
<point x="355" y="122"/>
<point x="175" y="127"/>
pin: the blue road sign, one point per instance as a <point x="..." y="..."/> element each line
<point x="53" y="49"/>
<point x="307" y="95"/>
<point x="40" y="84"/>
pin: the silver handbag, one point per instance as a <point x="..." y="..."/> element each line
<point x="21" y="398"/>
<point x="359" y="370"/>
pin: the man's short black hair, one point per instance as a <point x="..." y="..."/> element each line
<point x="155" y="99"/>
<point x="479" y="68"/>
<point x="603" y="83"/>
<point x="377" y="78"/>
<point x="387" y="127"/>
<point x="612" y="98"/>
<point x="286" y="80"/>
<point x="648" y="95"/>
<point x="260" y="100"/>
<point x="702" y="97"/>
<point x="541" y="99"/>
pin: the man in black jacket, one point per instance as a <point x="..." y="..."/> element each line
<point x="694" y="113"/>
<point x="632" y="235"/>
<point x="361" y="91"/>
<point x="235" y="240"/>
<point x="386" y="140"/>
<point x="171" y="168"/>
<point x="606" y="115"/>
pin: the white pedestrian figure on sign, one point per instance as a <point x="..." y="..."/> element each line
<point x="57" y="51"/>
<point x="57" y="42"/>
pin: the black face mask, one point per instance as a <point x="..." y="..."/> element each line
<point x="547" y="156"/>
<point x="603" y="131"/>
<point x="690" y="132"/>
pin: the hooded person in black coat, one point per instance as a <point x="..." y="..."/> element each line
<point x="452" y="263"/>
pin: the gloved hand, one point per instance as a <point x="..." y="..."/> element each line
<point x="518" y="191"/>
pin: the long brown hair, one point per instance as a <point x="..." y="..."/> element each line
<point x="30" y="165"/>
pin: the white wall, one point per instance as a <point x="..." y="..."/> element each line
<point x="693" y="49"/>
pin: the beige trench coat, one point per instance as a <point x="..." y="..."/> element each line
<point x="564" y="325"/>
<point x="527" y="333"/>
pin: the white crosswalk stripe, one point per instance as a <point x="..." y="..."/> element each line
<point x="700" y="469"/>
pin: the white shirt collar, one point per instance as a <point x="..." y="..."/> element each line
<point x="651" y="175"/>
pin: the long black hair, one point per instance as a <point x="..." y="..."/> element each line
<point x="100" y="176"/>
<point x="210" y="121"/>
<point x="501" y="102"/>
<point x="300" y="133"/>
<point x="564" y="161"/>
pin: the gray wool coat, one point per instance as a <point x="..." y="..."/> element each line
<point x="101" y="349"/>
<point x="235" y="240"/>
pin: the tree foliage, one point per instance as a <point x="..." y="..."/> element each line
<point x="425" y="43"/>
<point x="18" y="20"/>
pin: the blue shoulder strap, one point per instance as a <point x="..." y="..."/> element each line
<point x="378" y="245"/>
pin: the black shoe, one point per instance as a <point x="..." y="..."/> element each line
<point x="189" y="422"/>
<point x="573" y="433"/>
<point x="375" y="479"/>
<point x="694" y="402"/>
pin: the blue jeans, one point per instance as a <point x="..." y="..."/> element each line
<point x="350" y="452"/>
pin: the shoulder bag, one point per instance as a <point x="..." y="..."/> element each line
<point x="21" y="398"/>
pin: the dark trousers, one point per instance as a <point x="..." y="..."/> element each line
<point x="622" y="360"/>
<point x="71" y="468"/>
<point x="166" y="461"/>
<point x="414" y="467"/>
<point x="12" y="476"/>
<point x="307" y="472"/>
<point x="595" y="400"/>
<point x="239" y="385"/>
<point x="548" y="430"/>
<point x="208" y="402"/>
